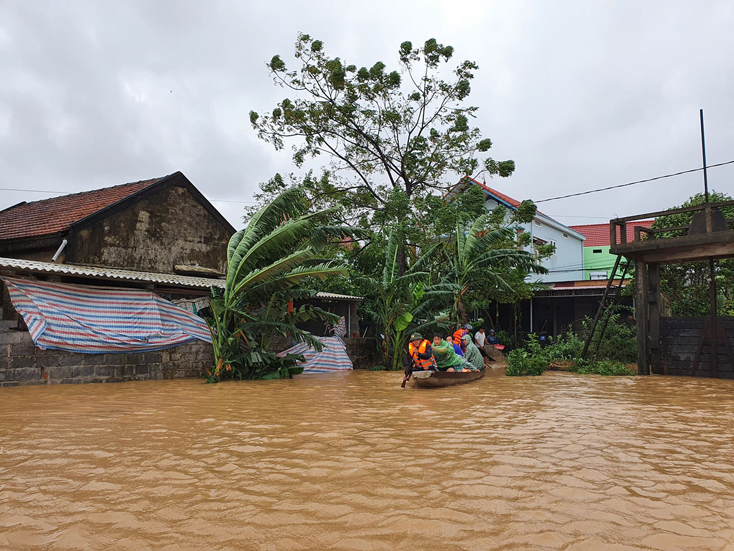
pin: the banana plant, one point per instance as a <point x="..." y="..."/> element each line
<point x="395" y="298"/>
<point x="475" y="259"/>
<point x="266" y="264"/>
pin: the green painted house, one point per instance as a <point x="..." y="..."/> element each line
<point x="598" y="262"/>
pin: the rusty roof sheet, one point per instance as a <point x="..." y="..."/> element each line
<point x="35" y="266"/>
<point x="58" y="214"/>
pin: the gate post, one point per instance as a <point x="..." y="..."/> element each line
<point x="641" y="317"/>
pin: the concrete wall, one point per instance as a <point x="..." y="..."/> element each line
<point x="598" y="262"/>
<point x="21" y="363"/>
<point x="156" y="233"/>
<point x="679" y="341"/>
<point x="567" y="262"/>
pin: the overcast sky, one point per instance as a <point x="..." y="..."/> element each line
<point x="581" y="94"/>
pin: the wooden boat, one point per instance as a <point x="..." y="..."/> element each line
<point x="435" y="379"/>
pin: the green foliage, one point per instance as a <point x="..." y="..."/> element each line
<point x="565" y="347"/>
<point x="395" y="296"/>
<point x="617" y="348"/>
<point x="619" y="342"/>
<point x="267" y="262"/>
<point x="687" y="285"/>
<point x="476" y="259"/>
<point x="601" y="367"/>
<point x="531" y="360"/>
<point x="382" y="130"/>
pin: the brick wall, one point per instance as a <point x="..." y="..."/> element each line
<point x="21" y="363"/>
<point x="680" y="339"/>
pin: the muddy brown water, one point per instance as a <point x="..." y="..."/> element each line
<point x="353" y="462"/>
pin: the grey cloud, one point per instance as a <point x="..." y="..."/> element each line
<point x="580" y="94"/>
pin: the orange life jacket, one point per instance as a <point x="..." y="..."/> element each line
<point x="457" y="338"/>
<point x="420" y="363"/>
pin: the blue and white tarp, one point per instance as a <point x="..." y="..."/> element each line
<point x="100" y="320"/>
<point x="333" y="358"/>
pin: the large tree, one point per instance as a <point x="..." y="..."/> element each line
<point x="392" y="137"/>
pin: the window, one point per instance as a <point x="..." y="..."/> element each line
<point x="536" y="222"/>
<point x="596" y="251"/>
<point x="553" y="242"/>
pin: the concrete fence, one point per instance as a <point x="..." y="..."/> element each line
<point x="21" y="363"/>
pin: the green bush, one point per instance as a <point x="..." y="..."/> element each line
<point x="532" y="360"/>
<point x="565" y="347"/>
<point x="601" y="367"/>
<point x="619" y="342"/>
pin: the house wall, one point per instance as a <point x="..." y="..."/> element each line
<point x="568" y="261"/>
<point x="597" y="261"/>
<point x="22" y="363"/>
<point x="344" y="308"/>
<point x="156" y="233"/>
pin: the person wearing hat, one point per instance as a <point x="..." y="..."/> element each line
<point x="472" y="354"/>
<point x="420" y="351"/>
<point x="492" y="338"/>
<point x="420" y="356"/>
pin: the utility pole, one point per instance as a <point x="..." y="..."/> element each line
<point x="712" y="268"/>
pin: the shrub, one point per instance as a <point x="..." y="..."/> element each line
<point x="619" y="342"/>
<point x="601" y="367"/>
<point x="531" y="360"/>
<point x="565" y="347"/>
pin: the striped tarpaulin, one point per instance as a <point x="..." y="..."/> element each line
<point x="332" y="358"/>
<point x="99" y="320"/>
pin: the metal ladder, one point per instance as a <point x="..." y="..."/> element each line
<point x="603" y="313"/>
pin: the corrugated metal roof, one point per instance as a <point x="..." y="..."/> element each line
<point x="130" y="275"/>
<point x="336" y="296"/>
<point x="108" y="273"/>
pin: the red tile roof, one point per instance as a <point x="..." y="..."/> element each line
<point x="58" y="214"/>
<point x="597" y="235"/>
<point x="506" y="198"/>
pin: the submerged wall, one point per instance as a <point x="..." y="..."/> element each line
<point x="22" y="363"/>
<point x="680" y="340"/>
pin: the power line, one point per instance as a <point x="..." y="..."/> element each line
<point x="74" y="192"/>
<point x="631" y="183"/>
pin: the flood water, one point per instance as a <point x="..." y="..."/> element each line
<point x="353" y="462"/>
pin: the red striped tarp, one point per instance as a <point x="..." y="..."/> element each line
<point x="332" y="358"/>
<point x="100" y="320"/>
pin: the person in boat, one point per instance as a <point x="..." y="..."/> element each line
<point x="455" y="344"/>
<point x="492" y="338"/>
<point x="420" y="354"/>
<point x="472" y="354"/>
<point x="459" y="335"/>
<point x="446" y="358"/>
